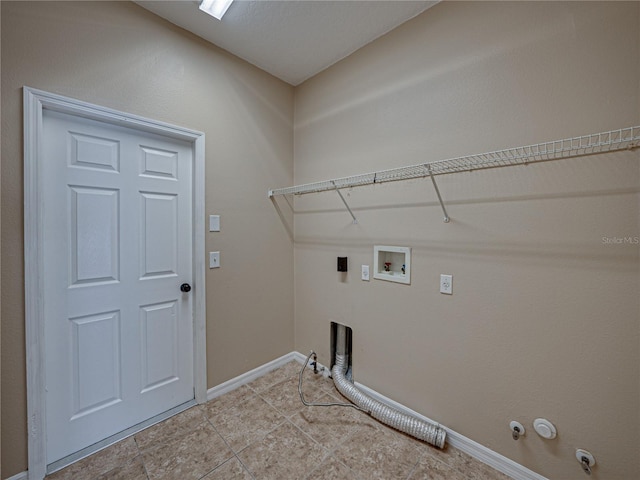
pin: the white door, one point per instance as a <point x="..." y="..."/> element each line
<point x="117" y="243"/>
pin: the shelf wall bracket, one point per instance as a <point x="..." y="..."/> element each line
<point x="345" y="202"/>
<point x="435" y="186"/>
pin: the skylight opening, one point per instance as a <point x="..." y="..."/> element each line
<point x="215" y="8"/>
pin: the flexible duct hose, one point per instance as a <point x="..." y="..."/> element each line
<point x="430" y="433"/>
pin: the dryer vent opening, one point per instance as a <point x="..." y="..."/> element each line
<point x="342" y="346"/>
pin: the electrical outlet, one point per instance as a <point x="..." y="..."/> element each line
<point x="446" y="286"/>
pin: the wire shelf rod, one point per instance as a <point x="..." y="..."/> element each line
<point x="355" y="220"/>
<point x="614" y="140"/>
<point x="435" y="187"/>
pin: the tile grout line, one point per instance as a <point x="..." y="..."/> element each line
<point x="330" y="454"/>
<point x="235" y="454"/>
<point x="327" y="453"/>
<point x="144" y="465"/>
<point x="415" y="467"/>
<point x="334" y="447"/>
<point x="330" y="451"/>
<point x="441" y="461"/>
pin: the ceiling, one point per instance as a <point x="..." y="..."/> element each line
<point x="292" y="39"/>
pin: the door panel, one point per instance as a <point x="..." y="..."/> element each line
<point x="94" y="238"/>
<point x="159" y="235"/>
<point x="96" y="362"/>
<point x="159" y="163"/>
<point x="117" y="239"/>
<point x="94" y="152"/>
<point x="159" y="349"/>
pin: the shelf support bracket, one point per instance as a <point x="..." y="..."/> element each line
<point x="435" y="186"/>
<point x="344" y="201"/>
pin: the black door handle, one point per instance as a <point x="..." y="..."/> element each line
<point x="185" y="287"/>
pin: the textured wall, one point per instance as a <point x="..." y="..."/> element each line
<point x="121" y="56"/>
<point x="544" y="320"/>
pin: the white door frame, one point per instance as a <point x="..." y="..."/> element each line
<point x="35" y="101"/>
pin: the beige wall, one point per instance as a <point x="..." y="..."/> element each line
<point x="544" y="320"/>
<point x="119" y="55"/>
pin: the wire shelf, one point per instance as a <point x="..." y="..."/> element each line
<point x="622" y="139"/>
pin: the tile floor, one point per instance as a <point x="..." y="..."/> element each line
<point x="262" y="431"/>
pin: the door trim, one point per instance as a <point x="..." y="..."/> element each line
<point x="34" y="102"/>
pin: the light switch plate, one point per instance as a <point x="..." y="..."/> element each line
<point x="214" y="259"/>
<point x="214" y="223"/>
<point x="446" y="286"/>
<point x="365" y="273"/>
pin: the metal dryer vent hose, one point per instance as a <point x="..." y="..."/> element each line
<point x="428" y="432"/>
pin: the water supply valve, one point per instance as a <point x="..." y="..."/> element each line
<point x="587" y="461"/>
<point x="517" y="430"/>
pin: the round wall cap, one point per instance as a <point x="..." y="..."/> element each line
<point x="544" y="428"/>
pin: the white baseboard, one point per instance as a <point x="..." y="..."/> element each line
<point x="20" y="476"/>
<point x="456" y="440"/>
<point x="251" y="375"/>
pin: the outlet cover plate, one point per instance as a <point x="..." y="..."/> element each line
<point x="446" y="286"/>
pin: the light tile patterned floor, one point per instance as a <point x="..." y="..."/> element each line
<point x="262" y="431"/>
